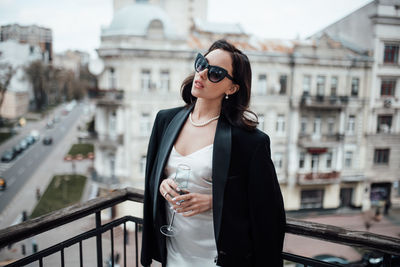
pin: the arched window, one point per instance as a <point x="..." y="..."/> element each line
<point x="155" y="29"/>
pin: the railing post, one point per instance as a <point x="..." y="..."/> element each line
<point x="98" y="240"/>
<point x="387" y="260"/>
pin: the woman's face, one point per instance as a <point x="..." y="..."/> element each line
<point x="203" y="88"/>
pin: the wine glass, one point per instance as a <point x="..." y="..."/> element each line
<point x="181" y="179"/>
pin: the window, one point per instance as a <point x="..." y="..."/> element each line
<point x="280" y="124"/>
<point x="111" y="158"/>
<point x="145" y="124"/>
<point x="331" y="125"/>
<point x="317" y="125"/>
<point x="283" y="83"/>
<point x="314" y="162"/>
<point x="334" y="84"/>
<point x="155" y="29"/>
<point x="329" y="160"/>
<point x="303" y="125"/>
<point x="348" y="158"/>
<point x="260" y="122"/>
<point x="306" y="84"/>
<point x="164" y="85"/>
<point x="384" y="123"/>
<point x="278" y="160"/>
<point x="112" y="124"/>
<point x="112" y="79"/>
<point x="320" y="85"/>
<point x="388" y="87"/>
<point x="391" y="53"/>
<point x="145" y="81"/>
<point x="302" y="159"/>
<point x="351" y="122"/>
<point x="354" y="86"/>
<point x="381" y="156"/>
<point x="142" y="165"/>
<point x="312" y="199"/>
<point x="262" y="84"/>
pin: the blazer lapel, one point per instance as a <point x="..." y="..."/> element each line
<point x="221" y="160"/>
<point x="167" y="141"/>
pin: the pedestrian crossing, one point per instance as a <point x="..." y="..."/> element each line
<point x="4" y="166"/>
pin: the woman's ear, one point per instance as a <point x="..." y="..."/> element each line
<point x="234" y="89"/>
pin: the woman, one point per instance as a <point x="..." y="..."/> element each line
<point x="233" y="214"/>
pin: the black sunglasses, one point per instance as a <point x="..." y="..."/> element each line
<point x="215" y="74"/>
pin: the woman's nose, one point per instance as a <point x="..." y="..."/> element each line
<point x="203" y="74"/>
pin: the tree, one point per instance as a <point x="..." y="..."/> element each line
<point x="35" y="72"/>
<point x="6" y="74"/>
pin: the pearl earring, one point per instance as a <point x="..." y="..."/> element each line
<point x="226" y="96"/>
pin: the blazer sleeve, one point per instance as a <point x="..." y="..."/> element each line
<point x="147" y="233"/>
<point x="267" y="214"/>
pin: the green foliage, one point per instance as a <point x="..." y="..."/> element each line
<point x="83" y="149"/>
<point x="64" y="190"/>
<point x="90" y="126"/>
<point x="4" y="137"/>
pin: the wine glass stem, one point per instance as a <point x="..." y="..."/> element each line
<point x="172" y="221"/>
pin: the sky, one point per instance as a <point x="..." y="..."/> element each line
<point x="77" y="24"/>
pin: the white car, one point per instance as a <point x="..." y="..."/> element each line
<point x="35" y="134"/>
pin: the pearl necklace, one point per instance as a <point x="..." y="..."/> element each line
<point x="203" y="123"/>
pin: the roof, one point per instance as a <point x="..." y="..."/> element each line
<point x="135" y="19"/>
<point x="216" y="27"/>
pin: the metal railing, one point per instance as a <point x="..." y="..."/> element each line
<point x="388" y="246"/>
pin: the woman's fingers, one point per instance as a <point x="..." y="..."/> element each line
<point x="167" y="189"/>
<point x="192" y="204"/>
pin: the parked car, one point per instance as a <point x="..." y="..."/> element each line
<point x="30" y="139"/>
<point x="35" y="134"/>
<point x="17" y="149"/>
<point x="3" y="184"/>
<point x="48" y="140"/>
<point x="56" y="119"/>
<point x="375" y="259"/>
<point x="328" y="258"/>
<point x="49" y="124"/>
<point x="23" y="144"/>
<point x="8" y="156"/>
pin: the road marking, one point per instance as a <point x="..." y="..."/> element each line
<point x="21" y="171"/>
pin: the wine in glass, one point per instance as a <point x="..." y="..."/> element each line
<point x="181" y="179"/>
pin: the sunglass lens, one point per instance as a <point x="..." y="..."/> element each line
<point x="201" y="64"/>
<point x="215" y="74"/>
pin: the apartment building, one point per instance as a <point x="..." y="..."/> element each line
<point x="312" y="97"/>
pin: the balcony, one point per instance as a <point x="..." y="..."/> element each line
<point x="111" y="97"/>
<point x="325" y="140"/>
<point x="104" y="141"/>
<point x="318" y="178"/>
<point x="324" y="102"/>
<point x="101" y="232"/>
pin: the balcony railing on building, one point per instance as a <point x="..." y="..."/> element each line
<point x="388" y="246"/>
<point x="318" y="177"/>
<point x="322" y="140"/>
<point x="107" y="140"/>
<point x="109" y="97"/>
<point x="324" y="102"/>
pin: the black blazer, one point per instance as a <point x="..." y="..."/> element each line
<point x="248" y="212"/>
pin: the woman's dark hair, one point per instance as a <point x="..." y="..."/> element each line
<point x="236" y="108"/>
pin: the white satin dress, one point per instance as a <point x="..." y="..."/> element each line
<point x="194" y="245"/>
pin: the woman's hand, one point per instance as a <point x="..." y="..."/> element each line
<point x="192" y="203"/>
<point x="169" y="189"/>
